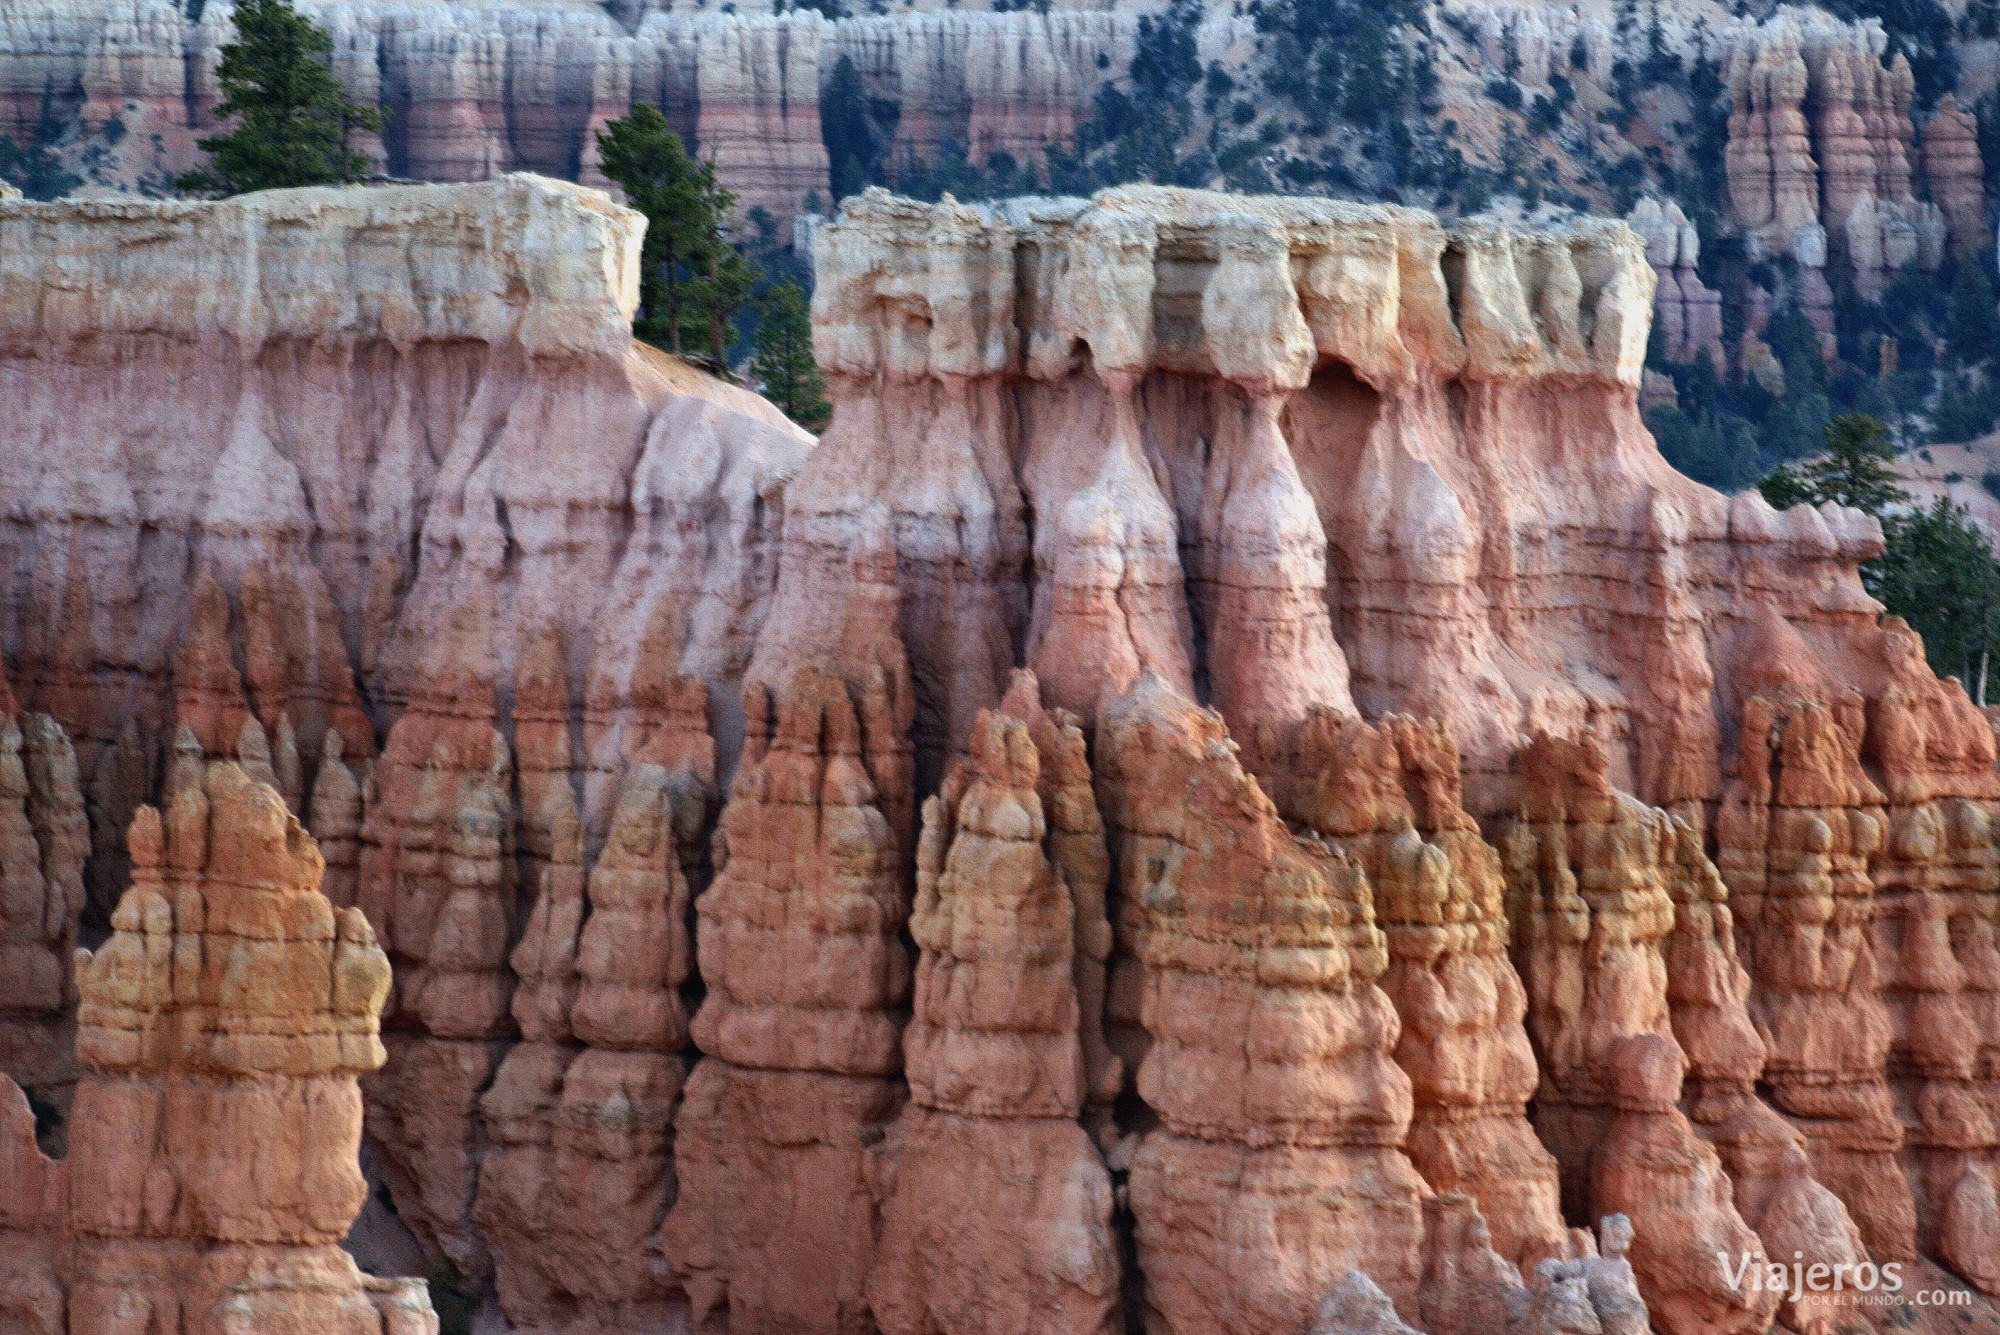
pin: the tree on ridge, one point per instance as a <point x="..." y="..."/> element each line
<point x="295" y="122"/>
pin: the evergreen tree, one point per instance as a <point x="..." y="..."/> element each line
<point x="660" y="179"/>
<point x="726" y="279"/>
<point x="1854" y="471"/>
<point x="1969" y="324"/>
<point x="34" y="169"/>
<point x="1937" y="571"/>
<point x="783" y="363"/>
<point x="295" y="122"/>
<point x="853" y="147"/>
<point x="692" y="281"/>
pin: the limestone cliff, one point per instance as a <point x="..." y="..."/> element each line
<point x="1426" y="823"/>
<point x="479" y="90"/>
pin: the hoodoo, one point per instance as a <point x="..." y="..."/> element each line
<point x="1233" y="790"/>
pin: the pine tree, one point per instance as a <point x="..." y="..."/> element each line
<point x="1937" y="570"/>
<point x="649" y="162"/>
<point x="1939" y="573"/>
<point x="693" y="281"/>
<point x="783" y="363"/>
<point x="1854" y="471"/>
<point x="294" y="120"/>
<point x="1972" y="314"/>
<point x="726" y="279"/>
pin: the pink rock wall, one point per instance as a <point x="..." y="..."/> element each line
<point x="1822" y="135"/>
<point x="473" y="93"/>
<point x="1316" y="464"/>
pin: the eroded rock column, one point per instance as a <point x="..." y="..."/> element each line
<point x="212" y="1169"/>
<point x="1591" y="910"/>
<point x="1277" y="1164"/>
<point x="997" y="1215"/>
<point x="1389" y="796"/>
<point x="798" y="941"/>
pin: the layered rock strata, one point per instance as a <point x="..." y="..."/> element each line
<point x="477" y="91"/>
<point x="1687" y="313"/>
<point x="579" y="1174"/>
<point x="344" y="501"/>
<point x="1277" y="1164"/>
<point x="1308" y="462"/>
<point x="1591" y="911"/>
<point x="1955" y="175"/>
<point x="44" y="841"/>
<point x="774" y="1227"/>
<point x="1389" y="798"/>
<point x="212" y="1169"/>
<point x="997" y="1211"/>
<point x="1821" y="136"/>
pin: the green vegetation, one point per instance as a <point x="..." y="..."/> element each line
<point x="693" y="281"/>
<point x="34" y="169"/>
<point x="1938" y="571"/>
<point x="783" y="365"/>
<point x="697" y="288"/>
<point x="454" y="1306"/>
<point x="295" y="123"/>
<point x="856" y="130"/>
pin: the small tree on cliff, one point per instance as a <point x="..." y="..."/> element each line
<point x="1937" y="570"/>
<point x="783" y="363"/>
<point x="1854" y="470"/>
<point x="693" y="280"/>
<point x="295" y="123"/>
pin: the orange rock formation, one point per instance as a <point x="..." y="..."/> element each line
<point x="212" y="1170"/>
<point x="1531" y="775"/>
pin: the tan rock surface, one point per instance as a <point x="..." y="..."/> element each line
<point x="1586" y="884"/>
<point x="1277" y="1166"/>
<point x="997" y="1206"/>
<point x="1388" y="797"/>
<point x="1310" y="461"/>
<point x="798" y="942"/>
<point x="1955" y="174"/>
<point x="212" y="1164"/>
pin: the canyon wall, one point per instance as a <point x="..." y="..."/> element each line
<point x="476" y="91"/>
<point x="1232" y="787"/>
<point x="1823" y="160"/>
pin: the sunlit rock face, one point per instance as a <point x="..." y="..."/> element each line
<point x="1232" y="789"/>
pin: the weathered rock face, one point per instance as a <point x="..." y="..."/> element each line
<point x="1587" y="871"/>
<point x="44" y="840"/>
<point x="579" y="1174"/>
<point x="799" y="950"/>
<point x="1278" y="1165"/>
<point x="997" y="1214"/>
<point x="501" y="605"/>
<point x="1955" y="175"/>
<point x="212" y="1166"/>
<point x="1822" y="142"/>
<point x="1389" y="798"/>
<point x="477" y="91"/>
<point x="343" y="496"/>
<point x="1687" y="311"/>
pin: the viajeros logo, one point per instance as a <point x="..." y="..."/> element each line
<point x="1859" y="1283"/>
